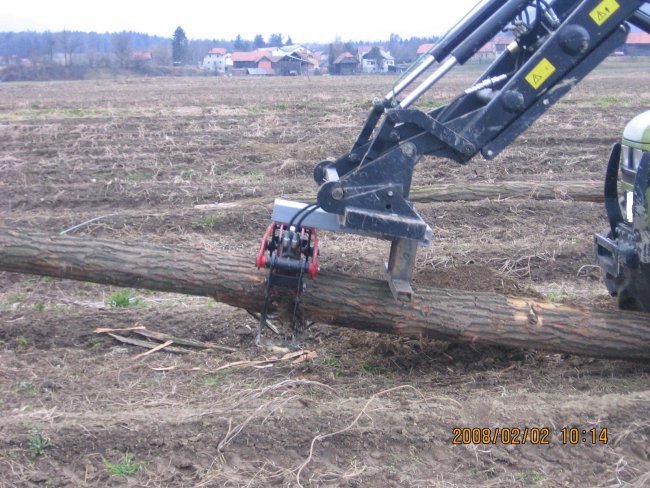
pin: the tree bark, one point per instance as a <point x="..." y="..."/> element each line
<point x="584" y="191"/>
<point x="335" y="299"/>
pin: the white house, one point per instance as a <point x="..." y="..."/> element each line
<point x="375" y="60"/>
<point x="218" y="60"/>
<point x="281" y="51"/>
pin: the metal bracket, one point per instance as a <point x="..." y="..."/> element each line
<point x="401" y="259"/>
<point x="399" y="268"/>
<point x="437" y="129"/>
<point x="284" y="210"/>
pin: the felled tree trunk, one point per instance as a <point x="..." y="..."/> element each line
<point x="585" y="191"/>
<point x="335" y="299"/>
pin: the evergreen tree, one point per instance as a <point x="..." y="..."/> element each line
<point x="258" y="42"/>
<point x="335" y="49"/>
<point x="179" y="46"/>
<point x="349" y="47"/>
<point x="276" y="40"/>
<point x="289" y="41"/>
<point x="239" y="44"/>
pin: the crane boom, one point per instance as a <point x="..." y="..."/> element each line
<point x="555" y="44"/>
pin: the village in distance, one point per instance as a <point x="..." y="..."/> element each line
<point x="77" y="55"/>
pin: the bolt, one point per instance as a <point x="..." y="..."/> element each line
<point x="378" y="105"/>
<point x="409" y="149"/>
<point x="490" y="153"/>
<point x="337" y="193"/>
<point x="390" y="193"/>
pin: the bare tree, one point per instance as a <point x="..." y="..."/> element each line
<point x="50" y="42"/>
<point x="162" y="55"/>
<point x="70" y="42"/>
<point x="122" y="48"/>
<point x="65" y="40"/>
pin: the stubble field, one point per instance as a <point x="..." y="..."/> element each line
<point x="78" y="410"/>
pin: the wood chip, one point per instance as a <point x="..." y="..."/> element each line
<point x="167" y="368"/>
<point x="160" y="336"/>
<point x="105" y="330"/>
<point x="308" y="356"/>
<point x="275" y="349"/>
<point x="294" y="357"/>
<point x="146" y="344"/>
<point x="157" y="348"/>
<point x="243" y="364"/>
<point x="215" y="206"/>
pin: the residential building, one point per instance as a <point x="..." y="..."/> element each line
<point x="487" y="52"/>
<point x="141" y="56"/>
<point x="501" y="43"/>
<point x="375" y="60"/>
<point x="218" y="61"/>
<point x="252" y="63"/>
<point x="319" y="59"/>
<point x="637" y="44"/>
<point x="424" y="48"/>
<point x="345" y="64"/>
<point x="140" y="59"/>
<point x="292" y="64"/>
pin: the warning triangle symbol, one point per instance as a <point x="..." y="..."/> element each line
<point x="537" y="79"/>
<point x="602" y="14"/>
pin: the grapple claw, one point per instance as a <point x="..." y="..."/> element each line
<point x="289" y="252"/>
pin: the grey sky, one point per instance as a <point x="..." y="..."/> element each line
<point x="304" y="21"/>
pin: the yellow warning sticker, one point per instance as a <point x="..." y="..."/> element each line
<point x="540" y="73"/>
<point x="604" y="11"/>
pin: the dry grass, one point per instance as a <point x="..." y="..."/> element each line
<point x="146" y="151"/>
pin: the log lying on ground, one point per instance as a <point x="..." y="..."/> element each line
<point x="335" y="299"/>
<point x="584" y="191"/>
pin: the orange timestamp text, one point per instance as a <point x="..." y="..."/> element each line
<point x="541" y="436"/>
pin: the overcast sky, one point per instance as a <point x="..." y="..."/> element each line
<point x="304" y="21"/>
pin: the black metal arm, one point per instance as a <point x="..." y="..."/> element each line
<point x="555" y="45"/>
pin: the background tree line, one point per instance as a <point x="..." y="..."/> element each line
<point x="44" y="45"/>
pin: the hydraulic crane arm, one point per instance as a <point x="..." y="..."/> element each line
<point x="555" y="44"/>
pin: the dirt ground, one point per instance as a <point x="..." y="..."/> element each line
<point x="78" y="410"/>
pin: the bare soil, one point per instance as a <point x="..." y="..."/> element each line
<point x="141" y="153"/>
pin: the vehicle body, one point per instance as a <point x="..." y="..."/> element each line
<point x="624" y="251"/>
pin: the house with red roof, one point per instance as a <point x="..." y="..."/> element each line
<point x="141" y="56"/>
<point x="256" y="63"/>
<point x="501" y="43"/>
<point x="637" y="44"/>
<point x="425" y="48"/>
<point x="217" y="61"/>
<point x="487" y="52"/>
<point x="345" y="64"/>
<point x="140" y="59"/>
